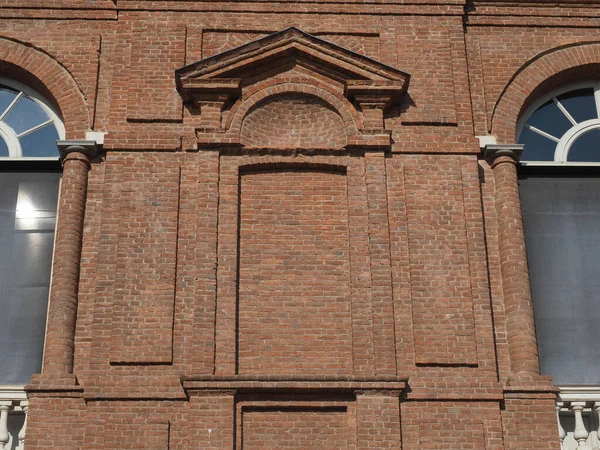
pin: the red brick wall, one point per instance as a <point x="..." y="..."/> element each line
<point x="293" y="298"/>
<point x="292" y="429"/>
<point x="291" y="257"/>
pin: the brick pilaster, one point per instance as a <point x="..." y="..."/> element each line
<point x="522" y="344"/>
<point x="62" y="311"/>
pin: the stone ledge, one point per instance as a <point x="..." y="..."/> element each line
<point x="214" y="382"/>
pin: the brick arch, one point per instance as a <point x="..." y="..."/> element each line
<point x="544" y="72"/>
<point x="264" y="91"/>
<point x="17" y="57"/>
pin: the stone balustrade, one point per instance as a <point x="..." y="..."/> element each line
<point x="13" y="417"/>
<point x="578" y="415"/>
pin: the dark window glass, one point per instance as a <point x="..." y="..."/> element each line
<point x="561" y="216"/>
<point x="25" y="114"/>
<point x="7" y="95"/>
<point x="3" y="148"/>
<point x="550" y="118"/>
<point x="27" y="216"/>
<point x="537" y="147"/>
<point x="580" y="104"/>
<point x="586" y="148"/>
<point x="41" y="142"/>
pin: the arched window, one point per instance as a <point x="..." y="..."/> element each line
<point x="29" y="181"/>
<point x="29" y="127"/>
<point x="563" y="126"/>
<point x="560" y="198"/>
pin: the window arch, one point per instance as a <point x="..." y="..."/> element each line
<point x="563" y="126"/>
<point x="29" y="127"/>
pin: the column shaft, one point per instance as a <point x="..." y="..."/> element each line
<point x="520" y="326"/>
<point x="62" y="310"/>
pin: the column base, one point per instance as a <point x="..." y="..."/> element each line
<point x="57" y="384"/>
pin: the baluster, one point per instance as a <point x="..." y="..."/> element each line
<point x="561" y="431"/>
<point x="4" y="436"/>
<point x="597" y="411"/>
<point x="24" y="407"/>
<point x="581" y="433"/>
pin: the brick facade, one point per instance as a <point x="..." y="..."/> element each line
<point x="290" y="237"/>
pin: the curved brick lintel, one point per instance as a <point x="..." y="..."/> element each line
<point x="527" y="81"/>
<point x="55" y="78"/>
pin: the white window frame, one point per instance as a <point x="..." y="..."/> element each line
<point x="12" y="139"/>
<point x="564" y="143"/>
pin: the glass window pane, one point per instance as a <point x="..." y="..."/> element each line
<point x="27" y="215"/>
<point x="562" y="231"/>
<point x="550" y="118"/>
<point x="537" y="147"/>
<point x="586" y="148"/>
<point x="3" y="148"/>
<point x="7" y="95"/>
<point x="41" y="142"/>
<point x="580" y="104"/>
<point x="25" y="115"/>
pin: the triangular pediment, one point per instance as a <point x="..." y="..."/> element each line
<point x="227" y="72"/>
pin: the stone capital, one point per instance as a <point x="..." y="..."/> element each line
<point x="496" y="153"/>
<point x="87" y="148"/>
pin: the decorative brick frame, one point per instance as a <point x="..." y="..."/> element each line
<point x="222" y="89"/>
<point x="55" y="78"/>
<point x="537" y="76"/>
<point x="352" y="121"/>
<point x="366" y="184"/>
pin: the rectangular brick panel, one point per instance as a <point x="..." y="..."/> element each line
<point x="145" y="288"/>
<point x="294" y="295"/>
<point x="157" y="50"/>
<point x="295" y="428"/>
<point x="378" y="421"/>
<point x="444" y="329"/>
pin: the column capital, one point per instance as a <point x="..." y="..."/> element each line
<point x="88" y="148"/>
<point x="493" y="153"/>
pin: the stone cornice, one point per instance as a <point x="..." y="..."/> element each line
<point x="88" y="148"/>
<point x="494" y="151"/>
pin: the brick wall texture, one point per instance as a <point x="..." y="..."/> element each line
<point x="272" y="258"/>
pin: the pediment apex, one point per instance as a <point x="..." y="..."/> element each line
<point x="225" y="72"/>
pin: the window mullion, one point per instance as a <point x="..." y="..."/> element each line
<point x="542" y="133"/>
<point x="37" y="127"/>
<point x="9" y="107"/>
<point x="564" y="111"/>
<point x="597" y="97"/>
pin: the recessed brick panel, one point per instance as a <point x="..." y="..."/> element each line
<point x="217" y="41"/>
<point x="293" y="120"/>
<point x="295" y="428"/>
<point x="145" y="288"/>
<point x="451" y="426"/>
<point x="294" y="296"/>
<point x="444" y="329"/>
<point x="157" y="50"/>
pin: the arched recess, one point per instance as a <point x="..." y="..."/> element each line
<point x="540" y="75"/>
<point x="321" y="97"/>
<point x="26" y="63"/>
